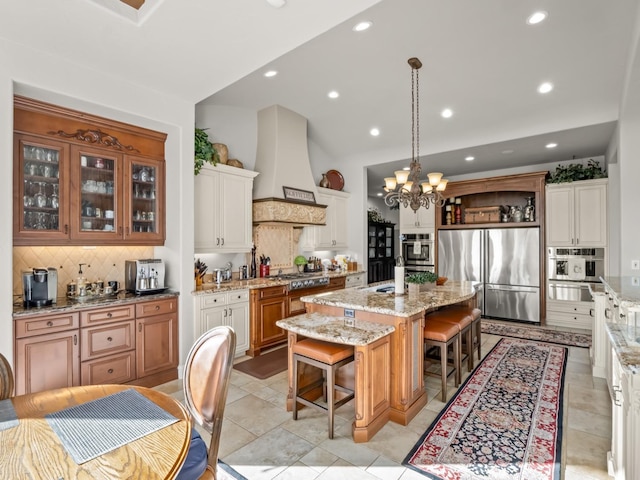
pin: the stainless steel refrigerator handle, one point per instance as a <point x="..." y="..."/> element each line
<point x="485" y="256"/>
<point x="510" y="288"/>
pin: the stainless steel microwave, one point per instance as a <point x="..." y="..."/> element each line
<point x="577" y="264"/>
<point x="417" y="249"/>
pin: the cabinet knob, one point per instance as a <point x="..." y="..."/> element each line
<point x="217" y="240"/>
<point x="75" y="339"/>
<point x="157" y="307"/>
<point x="109" y="339"/>
<point x="140" y="327"/>
<point x="66" y="228"/>
<point x="222" y="240"/>
<point x="230" y="312"/>
<point x="591" y="313"/>
<point x="109" y="314"/>
<point x="49" y="323"/>
<point x="110" y="370"/>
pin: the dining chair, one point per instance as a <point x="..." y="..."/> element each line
<point x="206" y="382"/>
<point x="6" y="378"/>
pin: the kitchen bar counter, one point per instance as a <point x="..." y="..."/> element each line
<point x="626" y="343"/>
<point x="65" y="305"/>
<point x="369" y="300"/>
<point x="624" y="288"/>
<point x="407" y="314"/>
<point x="253" y="283"/>
<point x="371" y="377"/>
<point x="335" y="329"/>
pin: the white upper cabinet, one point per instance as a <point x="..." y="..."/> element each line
<point x="334" y="234"/>
<point x="223" y="209"/>
<point x="422" y="221"/>
<point x="576" y="214"/>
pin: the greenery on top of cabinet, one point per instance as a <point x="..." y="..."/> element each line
<point x="576" y="171"/>
<point x="204" y="151"/>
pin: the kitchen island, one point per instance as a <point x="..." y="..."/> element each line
<point x="406" y="313"/>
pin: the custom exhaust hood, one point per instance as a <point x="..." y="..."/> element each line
<point x="282" y="159"/>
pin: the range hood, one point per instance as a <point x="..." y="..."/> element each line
<point x="282" y="159"/>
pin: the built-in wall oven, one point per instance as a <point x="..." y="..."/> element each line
<point x="417" y="251"/>
<point x="570" y="271"/>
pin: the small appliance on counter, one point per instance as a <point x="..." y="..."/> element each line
<point x="39" y="287"/>
<point x="144" y="276"/>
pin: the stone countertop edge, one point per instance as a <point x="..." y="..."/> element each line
<point x="627" y="289"/>
<point x="334" y="329"/>
<point x="360" y="298"/>
<point x="63" y="306"/>
<point x="254" y="283"/>
<point x="621" y="336"/>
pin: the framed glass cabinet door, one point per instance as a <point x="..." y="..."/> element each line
<point x="144" y="202"/>
<point x="40" y="200"/>
<point x="95" y="207"/>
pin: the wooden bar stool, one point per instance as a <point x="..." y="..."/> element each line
<point x="442" y="334"/>
<point x="460" y="317"/>
<point x="329" y="357"/>
<point x="476" y="328"/>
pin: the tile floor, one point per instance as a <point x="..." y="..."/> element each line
<point x="261" y="441"/>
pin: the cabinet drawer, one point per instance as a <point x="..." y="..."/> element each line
<point x="576" y="308"/>
<point x="113" y="369"/>
<point x="238" y="296"/>
<point x="336" y="283"/>
<point x="103" y="340"/>
<point x="271" y="292"/>
<point x="355" y="280"/>
<point x="159" y="307"/>
<point x="213" y="300"/>
<point x="31" y="326"/>
<point x="108" y="314"/>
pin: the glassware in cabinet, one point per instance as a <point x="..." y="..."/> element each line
<point x="40" y="209"/>
<point x="95" y="190"/>
<point x="145" y="199"/>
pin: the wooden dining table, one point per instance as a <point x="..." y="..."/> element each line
<point x="32" y="449"/>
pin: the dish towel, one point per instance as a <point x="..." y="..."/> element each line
<point x="577" y="267"/>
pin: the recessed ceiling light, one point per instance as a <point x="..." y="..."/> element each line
<point x="379" y="194"/>
<point x="545" y="87"/>
<point x="507" y="152"/>
<point x="406" y="168"/>
<point x="469" y="158"/>
<point x="333" y="94"/>
<point x="276" y="3"/>
<point x="270" y="73"/>
<point x="362" y="26"/>
<point x="374" y="132"/>
<point x="536" y="17"/>
<point x="446" y="113"/>
<point x="551" y="145"/>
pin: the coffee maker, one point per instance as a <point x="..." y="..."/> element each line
<point x="144" y="276"/>
<point x="39" y="287"/>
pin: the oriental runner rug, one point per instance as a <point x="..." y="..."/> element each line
<point x="540" y="334"/>
<point x="505" y="421"/>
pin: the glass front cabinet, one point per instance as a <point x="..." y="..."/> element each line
<point x="76" y="194"/>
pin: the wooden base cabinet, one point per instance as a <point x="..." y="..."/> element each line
<point x="134" y="343"/>
<point x="47" y="353"/>
<point x="157" y="338"/>
<point x="267" y="306"/>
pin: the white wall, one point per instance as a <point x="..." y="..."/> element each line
<point x="50" y="79"/>
<point x="628" y="159"/>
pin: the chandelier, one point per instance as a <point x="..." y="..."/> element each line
<point x="406" y="188"/>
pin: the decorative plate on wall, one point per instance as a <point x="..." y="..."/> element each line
<point x="336" y="180"/>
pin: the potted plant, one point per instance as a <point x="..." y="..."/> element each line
<point x="203" y="151"/>
<point x="421" y="281"/>
<point x="575" y="172"/>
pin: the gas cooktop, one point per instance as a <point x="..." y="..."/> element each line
<point x="302" y="280"/>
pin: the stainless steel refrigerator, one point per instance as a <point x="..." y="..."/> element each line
<point x="504" y="261"/>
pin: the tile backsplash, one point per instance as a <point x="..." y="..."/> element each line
<point x="106" y="263"/>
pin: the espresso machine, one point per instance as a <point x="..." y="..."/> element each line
<point x="39" y="287"/>
<point x="144" y="276"/>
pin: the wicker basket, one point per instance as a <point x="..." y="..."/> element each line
<point x="482" y="215"/>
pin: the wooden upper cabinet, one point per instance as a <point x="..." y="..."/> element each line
<point x="81" y="179"/>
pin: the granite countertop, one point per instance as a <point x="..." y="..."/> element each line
<point x="624" y="287"/>
<point x="335" y="329"/>
<point x="626" y="343"/>
<point x="367" y="299"/>
<point x="253" y="283"/>
<point x="65" y="305"/>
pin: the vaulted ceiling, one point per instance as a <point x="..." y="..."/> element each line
<point x="480" y="59"/>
